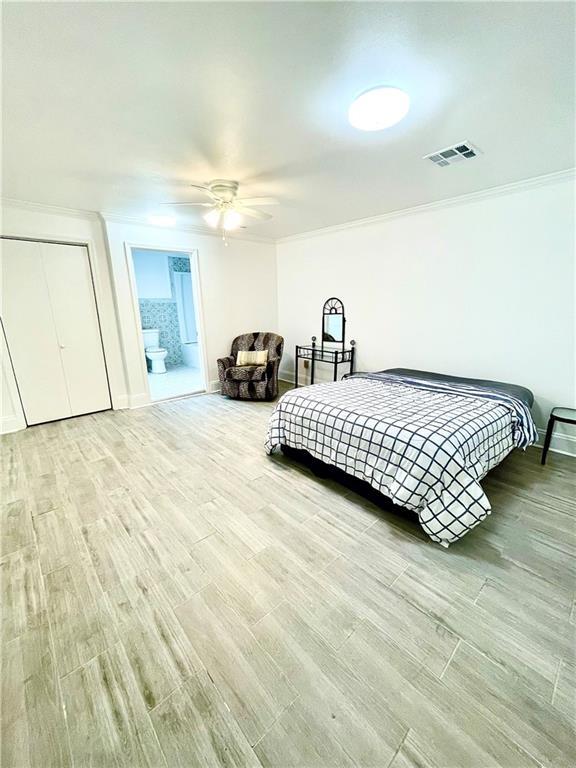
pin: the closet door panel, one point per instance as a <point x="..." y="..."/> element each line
<point x="31" y="335"/>
<point x="69" y="281"/>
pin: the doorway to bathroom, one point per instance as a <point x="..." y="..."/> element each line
<point x="166" y="284"/>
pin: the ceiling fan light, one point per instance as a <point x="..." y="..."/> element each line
<point x="212" y="218"/>
<point x="232" y="220"/>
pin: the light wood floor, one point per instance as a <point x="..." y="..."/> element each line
<point x="174" y="597"/>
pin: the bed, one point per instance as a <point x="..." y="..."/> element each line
<point x="421" y="439"/>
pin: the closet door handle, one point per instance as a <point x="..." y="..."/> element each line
<point x="62" y="346"/>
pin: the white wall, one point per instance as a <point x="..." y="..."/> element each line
<point x="152" y="274"/>
<point x="237" y="284"/>
<point x="483" y="288"/>
<point x="45" y="223"/>
<point x="237" y="287"/>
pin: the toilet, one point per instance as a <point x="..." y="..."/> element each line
<point x="154" y="352"/>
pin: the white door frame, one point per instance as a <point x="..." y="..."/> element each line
<point x="196" y="295"/>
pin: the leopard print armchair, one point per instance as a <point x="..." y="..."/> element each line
<point x="251" y="382"/>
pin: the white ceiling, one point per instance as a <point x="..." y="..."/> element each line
<point x="116" y="106"/>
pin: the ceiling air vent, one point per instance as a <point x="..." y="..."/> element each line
<point x="464" y="150"/>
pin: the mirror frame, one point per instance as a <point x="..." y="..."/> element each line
<point x="334" y="306"/>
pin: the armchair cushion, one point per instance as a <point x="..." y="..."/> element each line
<point x="245" y="373"/>
<point x="251" y="357"/>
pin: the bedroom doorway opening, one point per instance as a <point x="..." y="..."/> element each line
<point x="167" y="292"/>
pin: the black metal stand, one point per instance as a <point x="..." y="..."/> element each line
<point x="564" y="416"/>
<point x="323" y="354"/>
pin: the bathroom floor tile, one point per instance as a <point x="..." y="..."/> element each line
<point x="178" y="380"/>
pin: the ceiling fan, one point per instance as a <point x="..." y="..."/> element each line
<point x="225" y="209"/>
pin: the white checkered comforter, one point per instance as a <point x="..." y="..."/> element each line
<point x="424" y="445"/>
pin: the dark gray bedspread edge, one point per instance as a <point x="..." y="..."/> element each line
<point x="521" y="393"/>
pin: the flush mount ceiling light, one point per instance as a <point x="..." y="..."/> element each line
<point x="378" y="108"/>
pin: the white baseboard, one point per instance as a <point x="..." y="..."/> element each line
<point x="120" y="401"/>
<point x="9" y="424"/>
<point x="560" y="443"/>
<point x="139" y="400"/>
<point x="286" y="374"/>
<point x="213" y="386"/>
<point x="320" y="376"/>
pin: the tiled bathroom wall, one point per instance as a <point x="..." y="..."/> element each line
<point x="163" y="314"/>
<point x="178" y="264"/>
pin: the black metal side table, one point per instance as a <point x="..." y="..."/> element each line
<point x="565" y="416"/>
<point x="323" y="354"/>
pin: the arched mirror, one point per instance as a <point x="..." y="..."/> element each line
<point x="333" y="322"/>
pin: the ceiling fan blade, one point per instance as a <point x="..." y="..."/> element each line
<point x="252" y="212"/>
<point x="205" y="189"/>
<point x="257" y="201"/>
<point x="204" y="205"/>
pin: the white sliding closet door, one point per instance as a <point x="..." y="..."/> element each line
<point x="71" y="293"/>
<point x="52" y="330"/>
<point x="30" y="333"/>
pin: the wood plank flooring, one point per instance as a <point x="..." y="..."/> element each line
<point x="173" y="597"/>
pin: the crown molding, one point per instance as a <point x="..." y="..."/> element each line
<point x="78" y="213"/>
<point x="55" y="210"/>
<point x="484" y="194"/>
<point x="115" y="218"/>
